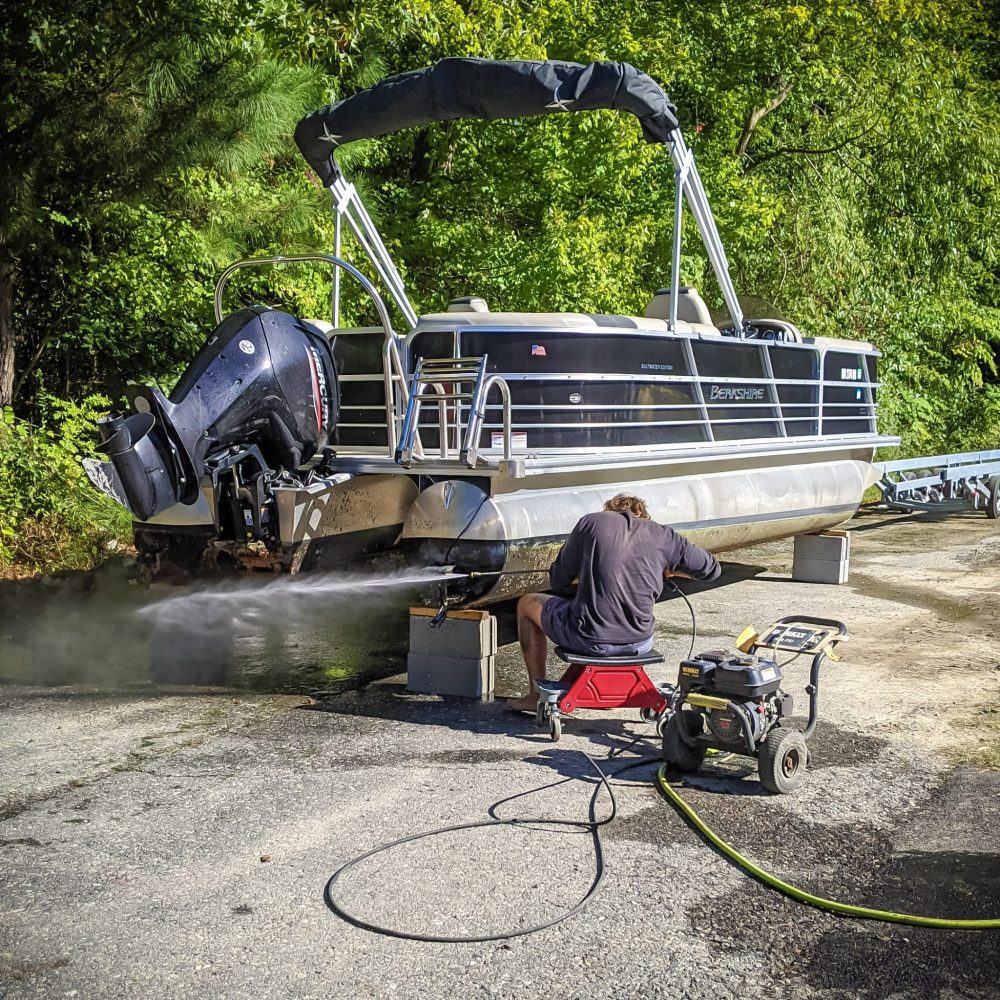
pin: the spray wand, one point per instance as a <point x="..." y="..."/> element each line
<point x="475" y="574"/>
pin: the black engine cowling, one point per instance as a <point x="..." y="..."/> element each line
<point x="264" y="380"/>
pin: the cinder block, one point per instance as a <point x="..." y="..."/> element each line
<point x="833" y="545"/>
<point x="820" y="570"/>
<point x="822" y="558"/>
<point x="451" y="675"/>
<point x="468" y="638"/>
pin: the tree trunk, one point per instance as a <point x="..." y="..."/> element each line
<point x="753" y="119"/>
<point x="7" y="271"/>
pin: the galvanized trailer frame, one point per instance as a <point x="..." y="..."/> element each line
<point x="957" y="481"/>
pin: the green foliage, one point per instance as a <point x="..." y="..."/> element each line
<point x="50" y="516"/>
<point x="140" y="147"/>
<point x="851" y="154"/>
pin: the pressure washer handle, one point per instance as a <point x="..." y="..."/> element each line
<point x="812" y="689"/>
<point x="811" y="620"/>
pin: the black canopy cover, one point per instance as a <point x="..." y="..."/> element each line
<point x="487" y="89"/>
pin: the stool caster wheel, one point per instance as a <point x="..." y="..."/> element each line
<point x="555" y="728"/>
<point x="647" y="714"/>
<point x="540" y="714"/>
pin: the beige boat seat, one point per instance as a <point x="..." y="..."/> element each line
<point x="691" y="306"/>
<point x="471" y="310"/>
<point x="468" y="303"/>
<point x="583" y="322"/>
<point x="324" y="326"/>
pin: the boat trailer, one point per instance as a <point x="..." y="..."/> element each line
<point x="969" y="480"/>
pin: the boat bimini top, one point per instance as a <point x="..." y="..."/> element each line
<point x="489" y="89"/>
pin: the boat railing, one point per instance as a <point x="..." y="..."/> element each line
<point x="460" y="386"/>
<point x="714" y="419"/>
<point x="470" y="450"/>
<point x="393" y="374"/>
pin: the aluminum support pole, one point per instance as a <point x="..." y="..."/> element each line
<point x="348" y="205"/>
<point x="680" y="173"/>
<point x="335" y="304"/>
<point x="694" y="192"/>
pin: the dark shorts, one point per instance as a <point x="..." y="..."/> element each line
<point x="556" y="625"/>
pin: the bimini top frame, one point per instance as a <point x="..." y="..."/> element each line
<point x="490" y="89"/>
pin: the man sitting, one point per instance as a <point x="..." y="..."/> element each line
<point x="620" y="558"/>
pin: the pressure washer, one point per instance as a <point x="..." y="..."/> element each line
<point x="732" y="701"/>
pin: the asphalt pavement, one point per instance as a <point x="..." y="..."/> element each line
<point x="176" y="842"/>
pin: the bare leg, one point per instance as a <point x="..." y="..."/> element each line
<point x="533" y="646"/>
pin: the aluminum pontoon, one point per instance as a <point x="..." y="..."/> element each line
<point x="478" y="438"/>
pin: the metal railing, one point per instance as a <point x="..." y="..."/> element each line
<point x="443" y="380"/>
<point x="819" y="418"/>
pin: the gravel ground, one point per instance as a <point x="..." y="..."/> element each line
<point x="176" y="843"/>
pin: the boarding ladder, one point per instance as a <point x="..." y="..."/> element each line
<point x="456" y="385"/>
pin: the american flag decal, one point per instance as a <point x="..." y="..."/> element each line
<point x="538" y="351"/>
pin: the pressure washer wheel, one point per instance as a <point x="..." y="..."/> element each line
<point x="676" y="752"/>
<point x="659" y="719"/>
<point x="782" y="760"/>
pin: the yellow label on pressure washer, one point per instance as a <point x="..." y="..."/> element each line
<point x="707" y="701"/>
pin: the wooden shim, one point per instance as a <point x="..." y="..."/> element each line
<point x="465" y="614"/>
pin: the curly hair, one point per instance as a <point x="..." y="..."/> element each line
<point x="626" y="502"/>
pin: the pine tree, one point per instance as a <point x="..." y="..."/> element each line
<point x="114" y="117"/>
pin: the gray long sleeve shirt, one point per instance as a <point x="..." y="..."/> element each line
<point x="619" y="560"/>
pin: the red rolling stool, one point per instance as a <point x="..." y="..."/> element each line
<point x="602" y="682"/>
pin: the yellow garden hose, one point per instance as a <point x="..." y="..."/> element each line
<point x="801" y="895"/>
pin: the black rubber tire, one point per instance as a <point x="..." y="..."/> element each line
<point x="555" y="728"/>
<point x="993" y="504"/>
<point x="540" y="714"/>
<point x="647" y="714"/>
<point x="676" y="753"/>
<point x="782" y="760"/>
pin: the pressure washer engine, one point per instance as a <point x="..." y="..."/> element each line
<point x="732" y="701"/>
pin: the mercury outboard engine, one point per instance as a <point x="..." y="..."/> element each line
<point x="260" y="397"/>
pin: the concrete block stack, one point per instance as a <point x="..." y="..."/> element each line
<point x="456" y="658"/>
<point x="822" y="558"/>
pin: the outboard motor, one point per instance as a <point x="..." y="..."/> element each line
<point x="260" y="397"/>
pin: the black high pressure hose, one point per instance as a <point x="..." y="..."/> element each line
<point x="694" y="617"/>
<point x="593" y="825"/>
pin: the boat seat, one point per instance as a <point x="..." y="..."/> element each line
<point x="468" y="303"/>
<point x="541" y="322"/>
<point x="691" y="306"/>
<point x="324" y="326"/>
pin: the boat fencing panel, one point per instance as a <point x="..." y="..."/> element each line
<point x="848" y="393"/>
<point x="363" y="422"/>
<point x="580" y="391"/>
